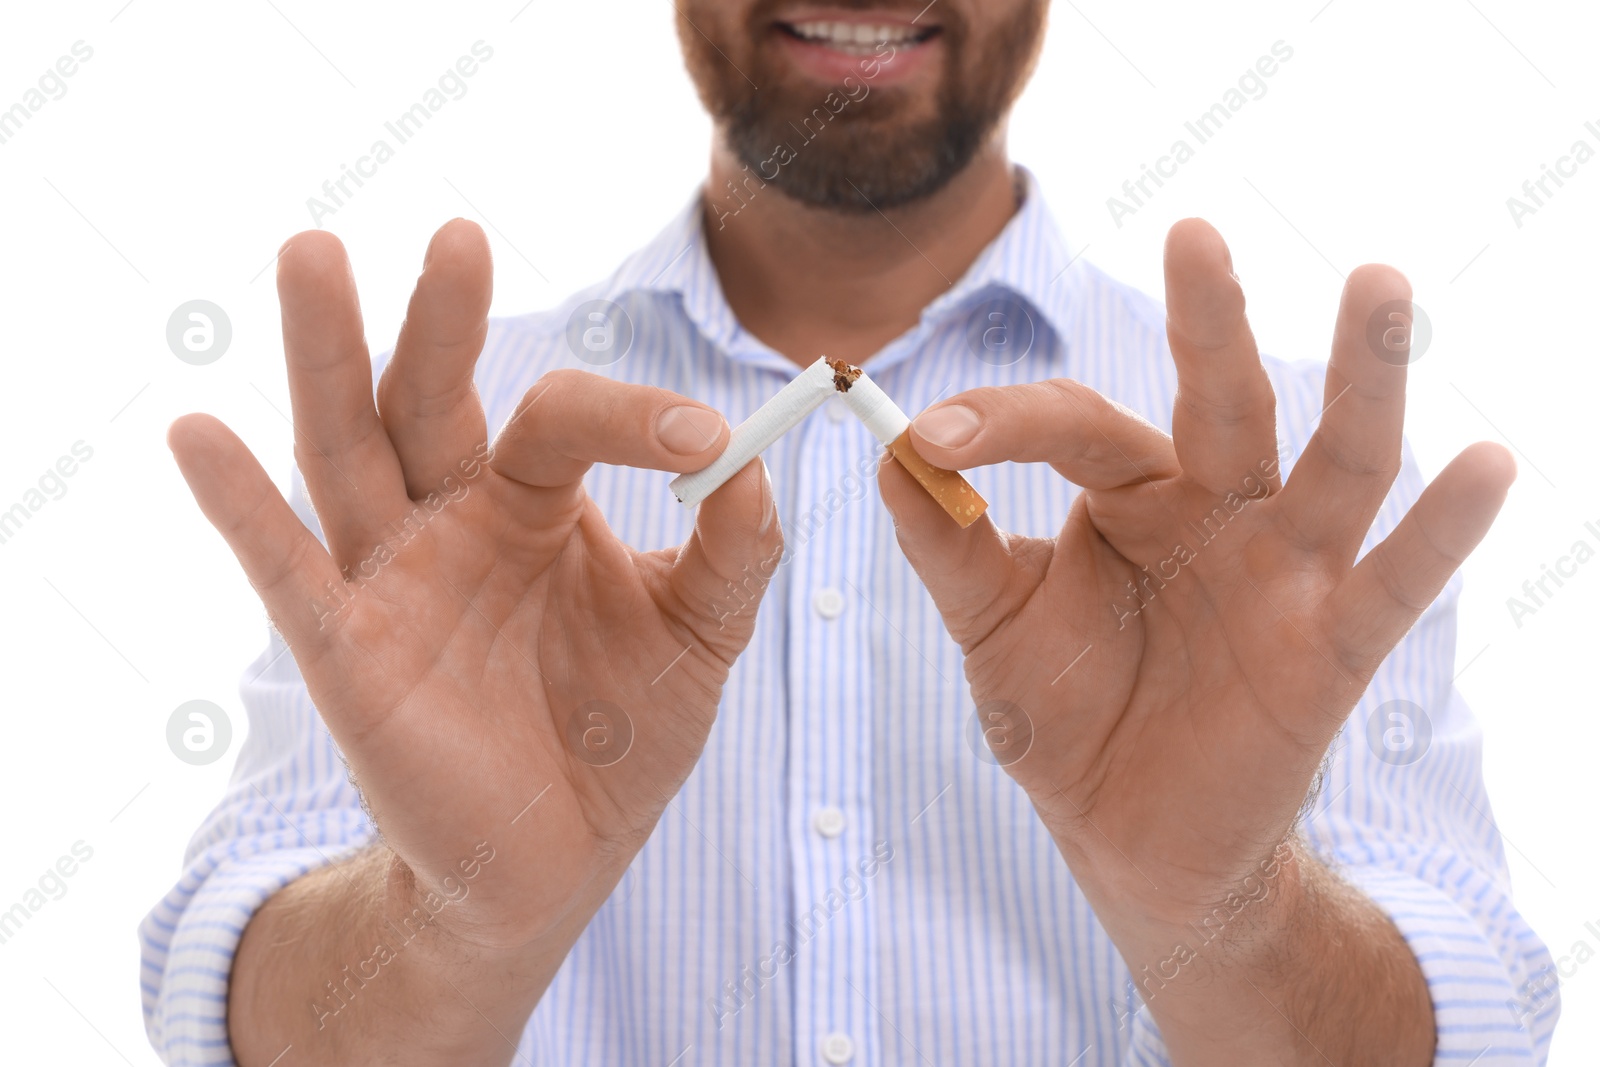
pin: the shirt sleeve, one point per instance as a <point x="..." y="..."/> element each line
<point x="1403" y="815"/>
<point x="289" y="809"/>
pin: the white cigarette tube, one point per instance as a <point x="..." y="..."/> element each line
<point x="787" y="409"/>
<point x="873" y="407"/>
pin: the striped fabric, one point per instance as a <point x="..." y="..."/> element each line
<point x="843" y="879"/>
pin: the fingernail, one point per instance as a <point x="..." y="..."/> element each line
<point x="769" y="507"/>
<point x="950" y="426"/>
<point x="687" y="430"/>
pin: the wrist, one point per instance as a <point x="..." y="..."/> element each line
<point x="347" y="964"/>
<point x="1213" y="936"/>
<point x="1165" y="918"/>
<point x="1206" y="965"/>
<point x="421" y="947"/>
<point x="442" y="918"/>
<point x="1281" y="970"/>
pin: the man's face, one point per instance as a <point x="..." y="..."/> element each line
<point x="859" y="104"/>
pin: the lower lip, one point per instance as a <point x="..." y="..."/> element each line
<point x="828" y="64"/>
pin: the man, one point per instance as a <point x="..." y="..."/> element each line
<point x="797" y="778"/>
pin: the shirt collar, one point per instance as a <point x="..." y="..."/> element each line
<point x="1029" y="259"/>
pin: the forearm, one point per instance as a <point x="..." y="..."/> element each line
<point x="355" y="964"/>
<point x="1296" y="968"/>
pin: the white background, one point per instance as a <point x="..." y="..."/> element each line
<point x="184" y="151"/>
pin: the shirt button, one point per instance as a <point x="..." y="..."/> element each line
<point x="829" y="603"/>
<point x="829" y="822"/>
<point x="838" y="1048"/>
<point x="837" y="409"/>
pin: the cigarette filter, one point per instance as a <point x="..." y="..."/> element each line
<point x="787" y="408"/>
<point x="953" y="492"/>
<point x="892" y="426"/>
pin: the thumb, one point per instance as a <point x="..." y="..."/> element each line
<point x="967" y="571"/>
<point x="729" y="559"/>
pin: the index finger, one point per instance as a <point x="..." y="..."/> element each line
<point x="572" y="419"/>
<point x="1088" y="438"/>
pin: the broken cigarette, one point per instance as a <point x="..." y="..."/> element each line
<point x="892" y="426"/>
<point x="787" y="408"/>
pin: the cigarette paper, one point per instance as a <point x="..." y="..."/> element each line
<point x="787" y="408"/>
<point x="892" y="426"/>
<point x="872" y="405"/>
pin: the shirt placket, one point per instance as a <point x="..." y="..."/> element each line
<point x="830" y="828"/>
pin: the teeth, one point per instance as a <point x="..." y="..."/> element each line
<point x="853" y="36"/>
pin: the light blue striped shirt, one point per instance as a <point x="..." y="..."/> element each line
<point x="842" y="879"/>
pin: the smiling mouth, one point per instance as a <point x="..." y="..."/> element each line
<point x="857" y="38"/>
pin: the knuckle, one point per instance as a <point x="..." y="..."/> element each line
<point x="551" y="386"/>
<point x="1083" y="401"/>
<point x="1398" y="585"/>
<point x="1218" y="411"/>
<point x="1357" y="459"/>
<point x="562" y="379"/>
<point x="1070" y="390"/>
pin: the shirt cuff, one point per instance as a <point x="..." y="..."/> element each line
<point x="1474" y="1001"/>
<point x="186" y="987"/>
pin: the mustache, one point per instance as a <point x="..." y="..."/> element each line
<point x="765" y="12"/>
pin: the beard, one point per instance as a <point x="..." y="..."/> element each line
<point x="855" y="147"/>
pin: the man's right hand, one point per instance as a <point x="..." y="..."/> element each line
<point x="503" y="651"/>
